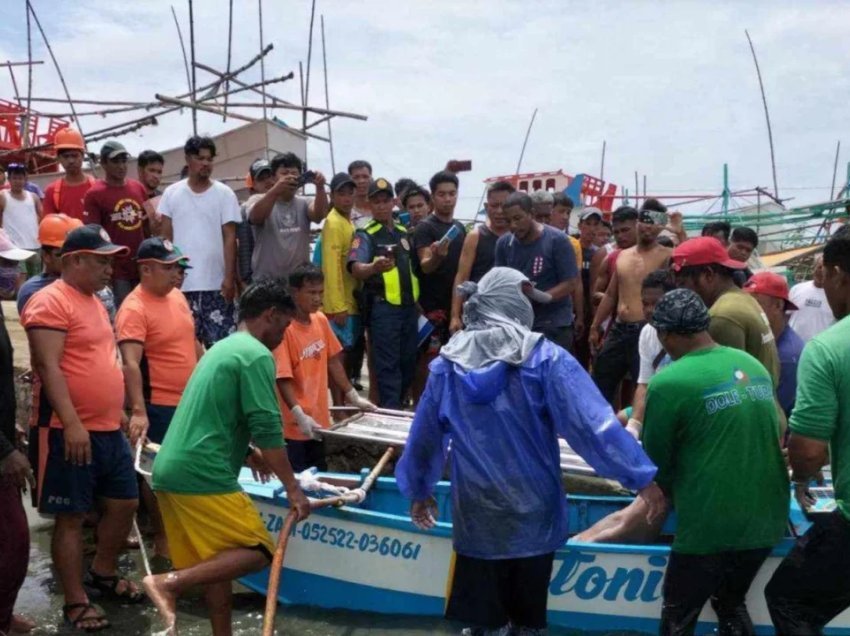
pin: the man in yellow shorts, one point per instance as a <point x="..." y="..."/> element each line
<point x="214" y="532"/>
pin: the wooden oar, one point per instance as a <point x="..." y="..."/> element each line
<point x="283" y="537"/>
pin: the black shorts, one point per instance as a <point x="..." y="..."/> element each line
<point x="304" y="454"/>
<point x="491" y="593"/>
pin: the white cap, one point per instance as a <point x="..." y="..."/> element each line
<point x="11" y="251"/>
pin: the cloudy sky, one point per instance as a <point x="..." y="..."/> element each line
<point x="670" y="86"/>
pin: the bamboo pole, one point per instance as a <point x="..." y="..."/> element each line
<point x="309" y="64"/>
<point x="27" y="63"/>
<point x="15" y="87"/>
<point x="229" y="51"/>
<point x="194" y="75"/>
<point x="195" y="106"/>
<point x="262" y="60"/>
<point x="766" y="116"/>
<point x="182" y="48"/>
<point x="835" y="170"/>
<point x="602" y="166"/>
<point x="92" y="102"/>
<point x="327" y="98"/>
<point x="525" y="141"/>
<point x="26" y="130"/>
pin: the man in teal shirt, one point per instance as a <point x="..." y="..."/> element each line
<point x="812" y="586"/>
<point x="214" y="532"/>
<point x="713" y="431"/>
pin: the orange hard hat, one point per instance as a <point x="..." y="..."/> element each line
<point x="69" y="139"/>
<point x="54" y="228"/>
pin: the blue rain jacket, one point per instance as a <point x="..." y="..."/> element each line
<point x="503" y="422"/>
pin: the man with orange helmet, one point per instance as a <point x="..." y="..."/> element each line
<point x="66" y="194"/>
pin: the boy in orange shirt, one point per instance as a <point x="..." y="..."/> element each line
<point x="308" y="354"/>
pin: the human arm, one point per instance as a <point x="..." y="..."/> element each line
<point x="578" y="310"/>
<point x="49" y="201"/>
<point x="464" y="269"/>
<point x="228" y="284"/>
<point x="262" y="209"/>
<point x="318" y="207"/>
<point x="606" y="308"/>
<point x="166" y="229"/>
<point x="597" y="266"/>
<point x="47" y="345"/>
<point x="39" y="210"/>
<point x="677" y="226"/>
<point x="431" y="256"/>
<point x="564" y="260"/>
<point x="278" y="461"/>
<point x="131" y="354"/>
<point x="340" y="377"/>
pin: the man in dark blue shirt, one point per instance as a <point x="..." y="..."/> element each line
<point x="546" y="257"/>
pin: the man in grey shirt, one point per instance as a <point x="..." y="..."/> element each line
<point x="281" y="220"/>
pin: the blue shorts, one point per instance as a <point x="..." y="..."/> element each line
<point x="68" y="489"/>
<point x="159" y="417"/>
<point x="215" y="318"/>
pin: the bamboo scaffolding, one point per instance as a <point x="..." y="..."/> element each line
<point x="306" y="99"/>
<point x="195" y="106"/>
<point x="327" y="97"/>
<point x="229" y="52"/>
<point x="27" y="63"/>
<point x="182" y="48"/>
<point x="194" y="77"/>
<point x="262" y="61"/>
<point x="766" y="115"/>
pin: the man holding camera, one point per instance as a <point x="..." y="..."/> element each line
<point x="381" y="256"/>
<point x="282" y="220"/>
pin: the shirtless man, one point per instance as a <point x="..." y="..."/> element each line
<point x="619" y="355"/>
<point x="624" y="229"/>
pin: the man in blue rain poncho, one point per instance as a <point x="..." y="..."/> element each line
<point x="501" y="396"/>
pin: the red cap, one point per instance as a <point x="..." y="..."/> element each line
<point x="704" y="250"/>
<point x="770" y="284"/>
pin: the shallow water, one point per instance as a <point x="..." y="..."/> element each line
<point x="40" y="599"/>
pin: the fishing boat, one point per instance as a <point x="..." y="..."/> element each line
<point x="369" y="557"/>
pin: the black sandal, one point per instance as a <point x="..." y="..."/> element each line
<point x="106" y="587"/>
<point x="85" y="617"/>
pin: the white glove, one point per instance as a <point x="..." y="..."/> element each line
<point x="309" y="482"/>
<point x="635" y="427"/>
<point x="354" y="399"/>
<point x="306" y="424"/>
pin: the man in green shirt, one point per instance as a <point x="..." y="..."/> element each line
<point x="713" y="431"/>
<point x="703" y="265"/>
<point x="214" y="532"/>
<point x="811" y="586"/>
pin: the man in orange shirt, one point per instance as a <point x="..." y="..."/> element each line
<point x="84" y="455"/>
<point x="309" y="352"/>
<point x="156" y="336"/>
<point x="66" y="194"/>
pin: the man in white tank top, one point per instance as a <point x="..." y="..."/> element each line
<point x="20" y="214"/>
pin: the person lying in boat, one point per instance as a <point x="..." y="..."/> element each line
<point x="713" y="430"/>
<point x="502" y="395"/>
<point x="214" y="532"/>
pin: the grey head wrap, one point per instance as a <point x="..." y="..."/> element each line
<point x="498" y="319"/>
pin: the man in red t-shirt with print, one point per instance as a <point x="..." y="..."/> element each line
<point x="116" y="203"/>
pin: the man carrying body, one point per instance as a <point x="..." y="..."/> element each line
<point x="479" y="247"/>
<point x="66" y="194"/>
<point x="545" y="256"/>
<point x="713" y="431"/>
<point x="619" y="354"/>
<point x="703" y="265"/>
<point x="308" y="355"/>
<point x="381" y="257"/>
<point x="509" y="512"/>
<point x="360" y="172"/>
<point x="281" y="220"/>
<point x="156" y="336"/>
<point x="813" y="313"/>
<point x="439" y="257"/>
<point x="810" y="587"/>
<point x="214" y="532"/>
<point x="20" y="214"/>
<point x="771" y="292"/>
<point x="116" y="203"/>
<point x="200" y="214"/>
<point x="85" y="458"/>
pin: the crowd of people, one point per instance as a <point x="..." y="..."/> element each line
<point x="223" y="331"/>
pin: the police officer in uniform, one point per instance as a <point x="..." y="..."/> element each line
<point x="381" y="257"/>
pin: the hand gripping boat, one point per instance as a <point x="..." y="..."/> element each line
<point x="370" y="557"/>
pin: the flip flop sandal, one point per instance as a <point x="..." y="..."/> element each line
<point x="106" y="587"/>
<point x="85" y="616"/>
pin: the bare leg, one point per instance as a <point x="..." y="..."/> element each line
<point x="219" y="598"/>
<point x="625" y="526"/>
<point x="66" y="549"/>
<point x="163" y="589"/>
<point x="112" y="531"/>
<point x="160" y="543"/>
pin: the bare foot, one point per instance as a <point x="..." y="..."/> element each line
<point x="21" y="624"/>
<point x="165" y="601"/>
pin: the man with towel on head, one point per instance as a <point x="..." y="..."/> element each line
<point x="501" y="396"/>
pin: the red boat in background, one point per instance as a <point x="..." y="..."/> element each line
<point x="583" y="189"/>
<point x="28" y="138"/>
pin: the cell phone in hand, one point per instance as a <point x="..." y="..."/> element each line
<point x="306" y="177"/>
<point x="449" y="236"/>
<point x="387" y="251"/>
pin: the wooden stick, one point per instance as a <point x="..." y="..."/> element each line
<point x="197" y="106"/>
<point x="525" y="142"/>
<point x="309" y="65"/>
<point x="92" y="102"/>
<point x="229" y="50"/>
<point x="182" y="48"/>
<point x="274" y="575"/>
<point x="26" y="133"/>
<point x="327" y="98"/>
<point x="194" y="77"/>
<point x="15" y="87"/>
<point x="602" y="167"/>
<point x="262" y="61"/>
<point x="283" y="540"/>
<point x="766" y="115"/>
<point x="835" y="171"/>
<point x="27" y="63"/>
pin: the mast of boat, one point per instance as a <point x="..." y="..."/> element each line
<point x="525" y="141"/>
<point x="602" y="166"/>
<point x="766" y="115"/>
